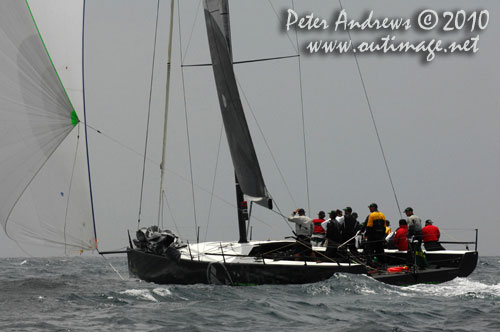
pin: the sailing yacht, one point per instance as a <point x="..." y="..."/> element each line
<point x="255" y="262"/>
<point x="46" y="196"/>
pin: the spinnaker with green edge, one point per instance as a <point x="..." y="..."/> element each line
<point x="45" y="194"/>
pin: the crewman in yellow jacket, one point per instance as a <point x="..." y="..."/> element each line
<point x="375" y="234"/>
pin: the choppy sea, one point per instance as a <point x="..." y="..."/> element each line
<point x="85" y="294"/>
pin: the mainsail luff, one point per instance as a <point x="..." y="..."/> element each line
<point x="242" y="150"/>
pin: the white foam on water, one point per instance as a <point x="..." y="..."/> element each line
<point x="140" y="293"/>
<point x="367" y="290"/>
<point x="162" y="291"/>
<point x="458" y="287"/>
<point x="319" y="289"/>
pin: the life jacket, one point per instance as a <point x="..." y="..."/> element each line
<point x="317" y="226"/>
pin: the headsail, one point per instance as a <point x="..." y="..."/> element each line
<point x="44" y="192"/>
<point x="245" y="161"/>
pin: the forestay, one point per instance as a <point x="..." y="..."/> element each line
<point x="240" y="142"/>
<point x="44" y="192"/>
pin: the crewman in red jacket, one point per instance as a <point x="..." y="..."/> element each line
<point x="431" y="234"/>
<point x="319" y="233"/>
<point x="400" y="240"/>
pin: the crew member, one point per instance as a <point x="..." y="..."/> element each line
<point x="431" y="234"/>
<point x="400" y="240"/>
<point x="318" y="236"/>
<point x="303" y="231"/>
<point x="375" y="234"/>
<point x="414" y="236"/>
<point x="388" y="229"/>
<point x="414" y="225"/>
<point x="333" y="234"/>
<point x="349" y="229"/>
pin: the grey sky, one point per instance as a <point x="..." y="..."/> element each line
<point x="438" y="122"/>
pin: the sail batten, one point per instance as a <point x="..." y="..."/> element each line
<point x="242" y="150"/>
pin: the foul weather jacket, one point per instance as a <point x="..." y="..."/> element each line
<point x="430" y="233"/>
<point x="400" y="240"/>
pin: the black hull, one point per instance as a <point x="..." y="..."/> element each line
<point x="464" y="262"/>
<point x="165" y="270"/>
<point x="427" y="276"/>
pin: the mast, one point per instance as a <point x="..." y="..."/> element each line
<point x="167" y="97"/>
<point x="240" y="199"/>
<point x="248" y="176"/>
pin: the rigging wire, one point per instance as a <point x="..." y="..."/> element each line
<point x="114" y="140"/>
<point x="245" y="61"/>
<point x="149" y="114"/>
<point x="173" y="172"/>
<point x="303" y="119"/>
<point x="285" y="218"/>
<point x="186" y="117"/>
<point x="374" y="123"/>
<point x="213" y="183"/>
<point x="265" y="141"/>
<point x="112" y="267"/>
<point x="192" y="28"/>
<point x="295" y="48"/>
<point x="164" y="195"/>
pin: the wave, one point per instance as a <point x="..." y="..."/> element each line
<point x="459" y="287"/>
<point x="143" y="294"/>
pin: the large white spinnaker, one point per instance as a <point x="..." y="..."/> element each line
<point x="44" y="181"/>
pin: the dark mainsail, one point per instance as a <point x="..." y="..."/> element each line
<point x="245" y="161"/>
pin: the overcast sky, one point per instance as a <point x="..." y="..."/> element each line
<point x="438" y="122"/>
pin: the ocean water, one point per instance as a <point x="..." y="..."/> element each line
<point x="85" y="294"/>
